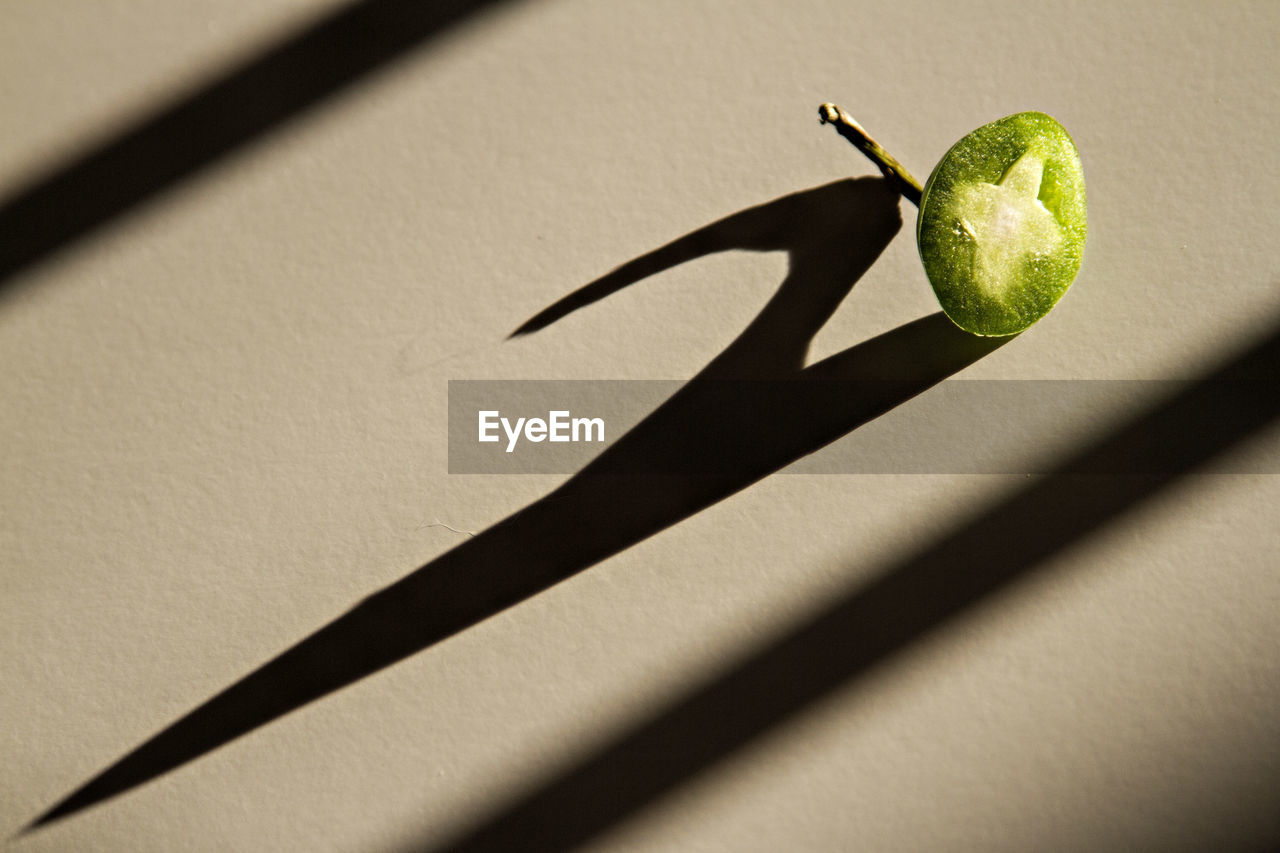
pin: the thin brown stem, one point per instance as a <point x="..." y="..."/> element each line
<point x="897" y="174"/>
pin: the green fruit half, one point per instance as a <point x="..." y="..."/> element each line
<point x="1002" y="224"/>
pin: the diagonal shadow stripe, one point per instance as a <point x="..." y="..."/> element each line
<point x="911" y="599"/>
<point x="224" y="115"/>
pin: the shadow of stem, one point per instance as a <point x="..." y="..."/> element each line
<point x="676" y="462"/>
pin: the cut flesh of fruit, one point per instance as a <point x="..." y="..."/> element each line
<point x="1002" y="224"/>
<point x="1006" y="223"/>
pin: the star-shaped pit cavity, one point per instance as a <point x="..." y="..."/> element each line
<point x="1007" y="224"/>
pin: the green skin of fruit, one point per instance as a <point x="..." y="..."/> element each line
<point x="1002" y="225"/>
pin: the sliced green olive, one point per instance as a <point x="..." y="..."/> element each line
<point x="1002" y="226"/>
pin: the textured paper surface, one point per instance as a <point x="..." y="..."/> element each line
<point x="225" y="422"/>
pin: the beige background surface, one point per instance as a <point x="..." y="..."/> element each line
<point x="224" y="424"/>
